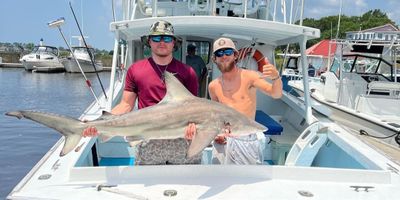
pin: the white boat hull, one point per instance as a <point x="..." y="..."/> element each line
<point x="41" y="66"/>
<point x="86" y="65"/>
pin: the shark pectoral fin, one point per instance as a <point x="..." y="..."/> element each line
<point x="134" y="140"/>
<point x="71" y="141"/>
<point x="134" y="143"/>
<point x="200" y="141"/>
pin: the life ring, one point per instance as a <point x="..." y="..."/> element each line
<point x="260" y="59"/>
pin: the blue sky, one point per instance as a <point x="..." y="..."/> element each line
<point x="26" y="20"/>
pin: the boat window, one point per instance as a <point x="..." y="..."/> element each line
<point x="386" y="70"/>
<point x="292" y="63"/>
<point x="202" y="49"/>
<point x="335" y="67"/>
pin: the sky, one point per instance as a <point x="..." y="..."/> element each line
<point x="26" y="21"/>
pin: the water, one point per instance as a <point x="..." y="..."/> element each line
<point x="22" y="142"/>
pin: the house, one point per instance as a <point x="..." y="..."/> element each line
<point x="386" y="32"/>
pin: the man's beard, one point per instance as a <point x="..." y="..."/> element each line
<point x="226" y="66"/>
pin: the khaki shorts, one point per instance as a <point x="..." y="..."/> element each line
<point x="165" y="151"/>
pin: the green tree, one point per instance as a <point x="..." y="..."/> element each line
<point x="328" y="25"/>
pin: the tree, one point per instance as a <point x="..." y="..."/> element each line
<point x="328" y="25"/>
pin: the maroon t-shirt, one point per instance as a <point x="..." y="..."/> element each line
<point x="145" y="79"/>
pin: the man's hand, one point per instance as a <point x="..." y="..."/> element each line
<point x="221" y="138"/>
<point x="90" y="132"/>
<point x="190" y="131"/>
<point x="269" y="71"/>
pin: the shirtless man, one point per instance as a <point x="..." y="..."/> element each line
<point x="236" y="88"/>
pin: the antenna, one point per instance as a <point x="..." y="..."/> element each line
<point x="57" y="24"/>
<point x="340" y="14"/>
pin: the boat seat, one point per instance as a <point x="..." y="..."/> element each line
<point x="109" y="161"/>
<point x="392" y="87"/>
<point x="274" y="128"/>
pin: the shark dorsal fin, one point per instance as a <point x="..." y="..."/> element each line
<point x="175" y="89"/>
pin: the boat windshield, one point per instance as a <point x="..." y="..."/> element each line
<point x="45" y="49"/>
<point x="83" y="50"/>
<point x="363" y="65"/>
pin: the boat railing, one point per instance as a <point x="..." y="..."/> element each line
<point x="272" y="10"/>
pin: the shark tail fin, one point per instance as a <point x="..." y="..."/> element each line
<point x="69" y="127"/>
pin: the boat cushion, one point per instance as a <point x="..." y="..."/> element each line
<point x="274" y="128"/>
<point x="108" y="161"/>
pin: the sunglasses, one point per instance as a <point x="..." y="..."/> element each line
<point x="222" y="52"/>
<point x="165" y="38"/>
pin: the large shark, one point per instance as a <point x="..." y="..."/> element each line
<point x="167" y="119"/>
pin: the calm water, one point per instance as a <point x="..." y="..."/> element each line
<point x="23" y="142"/>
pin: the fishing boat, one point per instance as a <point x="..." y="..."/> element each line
<point x="307" y="156"/>
<point x="43" y="58"/>
<point x="84" y="56"/>
<point x="366" y="97"/>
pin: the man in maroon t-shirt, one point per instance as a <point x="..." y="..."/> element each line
<point x="145" y="83"/>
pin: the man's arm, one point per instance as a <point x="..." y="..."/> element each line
<point x="211" y="90"/>
<point x="274" y="89"/>
<point x="220" y="138"/>
<point x="126" y="105"/>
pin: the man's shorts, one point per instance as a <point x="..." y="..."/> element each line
<point x="242" y="150"/>
<point x="165" y="151"/>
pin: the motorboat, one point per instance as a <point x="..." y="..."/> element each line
<point x="307" y="156"/>
<point x="85" y="57"/>
<point x="318" y="57"/>
<point x="366" y="95"/>
<point x="43" y="58"/>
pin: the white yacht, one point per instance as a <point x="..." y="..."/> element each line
<point x="84" y="56"/>
<point x="42" y="59"/>
<point x="308" y="155"/>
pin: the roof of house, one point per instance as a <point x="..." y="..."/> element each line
<point x="322" y="48"/>
<point x="383" y="28"/>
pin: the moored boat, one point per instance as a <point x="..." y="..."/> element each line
<point x="43" y="59"/>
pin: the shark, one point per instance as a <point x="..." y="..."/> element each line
<point x="165" y="120"/>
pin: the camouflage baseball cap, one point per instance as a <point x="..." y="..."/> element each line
<point x="161" y="27"/>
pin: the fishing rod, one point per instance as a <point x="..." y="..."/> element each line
<point x="87" y="49"/>
<point x="57" y="23"/>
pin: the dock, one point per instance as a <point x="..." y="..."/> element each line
<point x="11" y="65"/>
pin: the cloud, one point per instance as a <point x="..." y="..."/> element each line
<point x="317" y="9"/>
<point x="394" y="13"/>
<point x="360" y="3"/>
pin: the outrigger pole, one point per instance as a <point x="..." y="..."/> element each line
<point x="57" y="23"/>
<point x="87" y="49"/>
